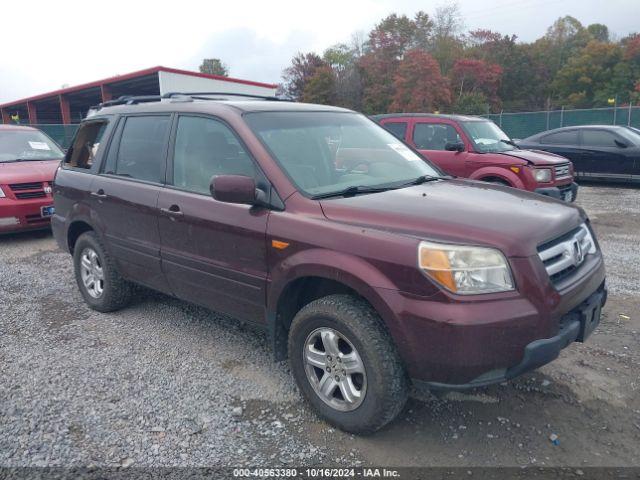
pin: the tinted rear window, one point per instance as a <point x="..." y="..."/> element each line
<point x="598" y="138"/>
<point x="141" y="154"/>
<point x="561" y="138"/>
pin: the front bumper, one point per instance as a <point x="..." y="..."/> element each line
<point x="567" y="193"/>
<point x="19" y="215"/>
<point x="575" y="326"/>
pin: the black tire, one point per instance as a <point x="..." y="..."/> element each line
<point x="116" y="292"/>
<point x="386" y="381"/>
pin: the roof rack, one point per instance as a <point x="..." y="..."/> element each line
<point x="201" y="95"/>
<point x="135" y="99"/>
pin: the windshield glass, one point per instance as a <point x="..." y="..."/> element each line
<point x="487" y="137"/>
<point x="27" y="145"/>
<point x="631" y="134"/>
<point x="324" y="152"/>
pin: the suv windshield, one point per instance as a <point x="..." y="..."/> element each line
<point x="331" y="152"/>
<point x="25" y="145"/>
<point x="487" y="137"/>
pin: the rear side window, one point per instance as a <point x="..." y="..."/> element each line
<point x="141" y="154"/>
<point x="434" y="136"/>
<point x="569" y="137"/>
<point x="399" y="129"/>
<point x="598" y="138"/>
<point x="205" y="147"/>
<point x="85" y="145"/>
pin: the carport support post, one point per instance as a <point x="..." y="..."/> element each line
<point x="6" y="118"/>
<point x="33" y="115"/>
<point x="65" y="110"/>
<point x="105" y="92"/>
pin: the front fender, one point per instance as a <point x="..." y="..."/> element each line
<point x="496" y="172"/>
<point x="349" y="270"/>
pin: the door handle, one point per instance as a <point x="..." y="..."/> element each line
<point x="172" y="211"/>
<point x="99" y="194"/>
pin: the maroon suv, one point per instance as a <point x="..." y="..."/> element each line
<point x="476" y="148"/>
<point x="368" y="267"/>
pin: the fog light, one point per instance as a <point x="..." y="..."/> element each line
<point x="7" y="221"/>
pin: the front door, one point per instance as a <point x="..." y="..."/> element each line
<point x="603" y="156"/>
<point x="124" y="197"/>
<point x="431" y="139"/>
<point x="213" y="253"/>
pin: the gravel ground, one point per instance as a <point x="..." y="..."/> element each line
<point x="166" y="383"/>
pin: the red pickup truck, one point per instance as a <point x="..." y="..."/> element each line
<point x="477" y="148"/>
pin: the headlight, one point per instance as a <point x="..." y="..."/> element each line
<point x="2" y="195"/>
<point x="542" y="174"/>
<point x="465" y="270"/>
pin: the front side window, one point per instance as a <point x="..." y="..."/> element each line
<point x="570" y="137"/>
<point x="434" y="136"/>
<point x="205" y="147"/>
<point x="487" y="137"/>
<point x="141" y="154"/>
<point x="85" y="145"/>
<point x="22" y="145"/>
<point x="598" y="138"/>
<point x="326" y="152"/>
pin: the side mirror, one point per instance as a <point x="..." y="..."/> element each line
<point x="620" y="143"/>
<point x="454" y="147"/>
<point x="236" y="189"/>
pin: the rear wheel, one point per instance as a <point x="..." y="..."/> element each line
<point x="346" y="365"/>
<point x="99" y="282"/>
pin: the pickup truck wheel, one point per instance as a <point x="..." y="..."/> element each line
<point x="346" y="364"/>
<point x="99" y="282"/>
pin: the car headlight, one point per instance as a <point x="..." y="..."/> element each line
<point x="465" y="270"/>
<point x="542" y="174"/>
<point x="2" y="195"/>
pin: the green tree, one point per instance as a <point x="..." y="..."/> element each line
<point x="303" y="67"/>
<point x="471" y="104"/>
<point x="214" y="66"/>
<point x="320" y="88"/>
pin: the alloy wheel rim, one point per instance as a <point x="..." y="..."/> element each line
<point x="91" y="272"/>
<point x="334" y="369"/>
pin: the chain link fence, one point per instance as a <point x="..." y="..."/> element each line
<point x="517" y="125"/>
<point x="524" y="124"/>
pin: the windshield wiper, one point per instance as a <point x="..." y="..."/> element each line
<point x="422" y="179"/>
<point x="509" y="142"/>
<point x="351" y="191"/>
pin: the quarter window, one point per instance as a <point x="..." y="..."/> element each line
<point x="141" y="154"/>
<point x="434" y="136"/>
<point x="205" y="147"/>
<point x="399" y="129"/>
<point x="85" y="145"/>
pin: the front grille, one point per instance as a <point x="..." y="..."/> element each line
<point x="16" y="187"/>
<point x="26" y="195"/>
<point x="563" y="256"/>
<point x="562" y="170"/>
<point x="24" y="191"/>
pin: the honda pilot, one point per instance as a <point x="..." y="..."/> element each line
<point x="369" y="268"/>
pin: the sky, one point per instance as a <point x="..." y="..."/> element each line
<point x="58" y="42"/>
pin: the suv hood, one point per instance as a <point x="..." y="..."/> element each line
<point x="537" y="157"/>
<point x="31" y="171"/>
<point x="461" y="211"/>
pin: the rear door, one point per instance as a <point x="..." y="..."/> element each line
<point x="602" y="155"/>
<point x="124" y="196"/>
<point x="431" y="137"/>
<point x="213" y="253"/>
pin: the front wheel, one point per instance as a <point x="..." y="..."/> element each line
<point x="346" y="364"/>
